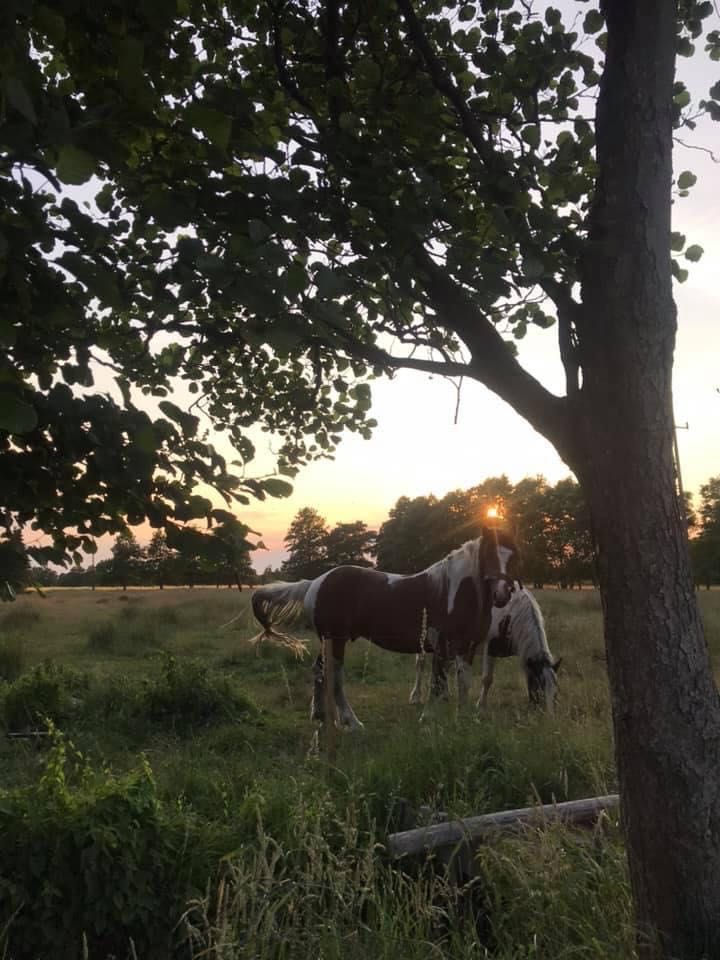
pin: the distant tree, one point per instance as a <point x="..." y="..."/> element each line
<point x="270" y="575"/>
<point x="569" y="541"/>
<point x="404" y="541"/>
<point x="43" y="576"/>
<point x="305" y="541"/>
<point x="527" y="508"/>
<point x="705" y="547"/>
<point x="127" y="559"/>
<point x="349" y="543"/>
<point x="233" y="550"/>
<point x="161" y="559"/>
<point x="14" y="566"/>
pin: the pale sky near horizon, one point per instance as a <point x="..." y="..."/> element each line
<point x="418" y="450"/>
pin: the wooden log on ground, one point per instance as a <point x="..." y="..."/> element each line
<point x="472" y="830"/>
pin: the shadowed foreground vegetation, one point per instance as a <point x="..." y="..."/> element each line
<point x="172" y="809"/>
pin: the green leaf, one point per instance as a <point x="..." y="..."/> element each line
<point x="216" y="126"/>
<point x="686" y="180"/>
<point x="187" y="421"/>
<point x="677" y="241"/>
<point x="682" y="99"/>
<point x="19" y="98"/>
<point x="259" y="231"/>
<point x="694" y="253"/>
<point x="8" y="333"/>
<point x="593" y="22"/>
<point x="276" y="487"/>
<point x="74" y="165"/>
<point x="16" y="416"/>
<point x="467" y="12"/>
<point x="531" y="135"/>
<point x="533" y="268"/>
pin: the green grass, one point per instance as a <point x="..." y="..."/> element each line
<point x="266" y="851"/>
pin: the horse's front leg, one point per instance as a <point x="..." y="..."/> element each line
<point x="416" y="692"/>
<point x="438" y="685"/>
<point x="463" y="669"/>
<point x="486" y="681"/>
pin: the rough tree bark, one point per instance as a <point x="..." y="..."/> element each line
<point x="615" y="429"/>
<point x="665" y="704"/>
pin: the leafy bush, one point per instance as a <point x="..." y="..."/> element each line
<point x="187" y="693"/>
<point x="47" y="692"/>
<point x="94" y="857"/>
<point x="12" y="657"/>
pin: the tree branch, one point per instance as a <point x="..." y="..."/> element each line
<point x="492" y="362"/>
<point x="443" y="81"/>
<point x="567" y="310"/>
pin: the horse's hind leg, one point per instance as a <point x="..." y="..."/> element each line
<point x="464" y="680"/>
<point x="416" y="692"/>
<point x="317" y="706"/>
<point x="338" y="706"/>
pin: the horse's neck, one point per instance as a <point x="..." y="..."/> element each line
<point x="528" y="631"/>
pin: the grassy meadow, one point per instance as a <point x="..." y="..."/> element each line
<point x="172" y="808"/>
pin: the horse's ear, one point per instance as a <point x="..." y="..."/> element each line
<point x="556" y="665"/>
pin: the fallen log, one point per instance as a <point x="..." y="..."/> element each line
<point x="472" y="830"/>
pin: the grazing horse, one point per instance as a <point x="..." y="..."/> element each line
<point x="451" y="600"/>
<point x="516" y="630"/>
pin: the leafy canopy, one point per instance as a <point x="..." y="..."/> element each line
<point x="261" y="206"/>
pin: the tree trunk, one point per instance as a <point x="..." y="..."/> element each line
<point x="665" y="705"/>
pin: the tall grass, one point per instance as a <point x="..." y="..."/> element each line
<point x="270" y="853"/>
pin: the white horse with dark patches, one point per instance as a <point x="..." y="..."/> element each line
<point x="444" y="609"/>
<point x="516" y="630"/>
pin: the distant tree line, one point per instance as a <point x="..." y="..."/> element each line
<point x="550" y="522"/>
<point x="180" y="557"/>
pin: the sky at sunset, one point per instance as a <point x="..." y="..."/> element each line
<point x="417" y="448"/>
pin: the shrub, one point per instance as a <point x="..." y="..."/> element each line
<point x="98" y="859"/>
<point x="12" y="658"/>
<point x="187" y="693"/>
<point x="45" y="693"/>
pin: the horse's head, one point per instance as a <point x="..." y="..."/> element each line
<point x="542" y="682"/>
<point x="499" y="564"/>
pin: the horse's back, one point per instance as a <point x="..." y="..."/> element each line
<point x="349" y="602"/>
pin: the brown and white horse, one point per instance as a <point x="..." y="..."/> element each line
<point x="448" y="605"/>
<point x="516" y="630"/>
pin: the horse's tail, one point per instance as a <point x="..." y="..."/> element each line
<point x="279" y="603"/>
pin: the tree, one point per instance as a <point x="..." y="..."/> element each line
<point x="160" y="558"/>
<point x="14" y="567"/>
<point x="349" y="543"/>
<point x="403" y="544"/>
<point x="340" y="175"/>
<point x="234" y="550"/>
<point x="127" y="558"/>
<point x="528" y="505"/>
<point x="305" y="541"/>
<point x="705" y="547"/>
<point x="567" y="534"/>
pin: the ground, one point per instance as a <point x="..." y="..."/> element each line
<point x="146" y="687"/>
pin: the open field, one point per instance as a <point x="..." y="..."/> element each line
<point x="178" y="782"/>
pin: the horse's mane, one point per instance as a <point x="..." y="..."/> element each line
<point x="528" y="628"/>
